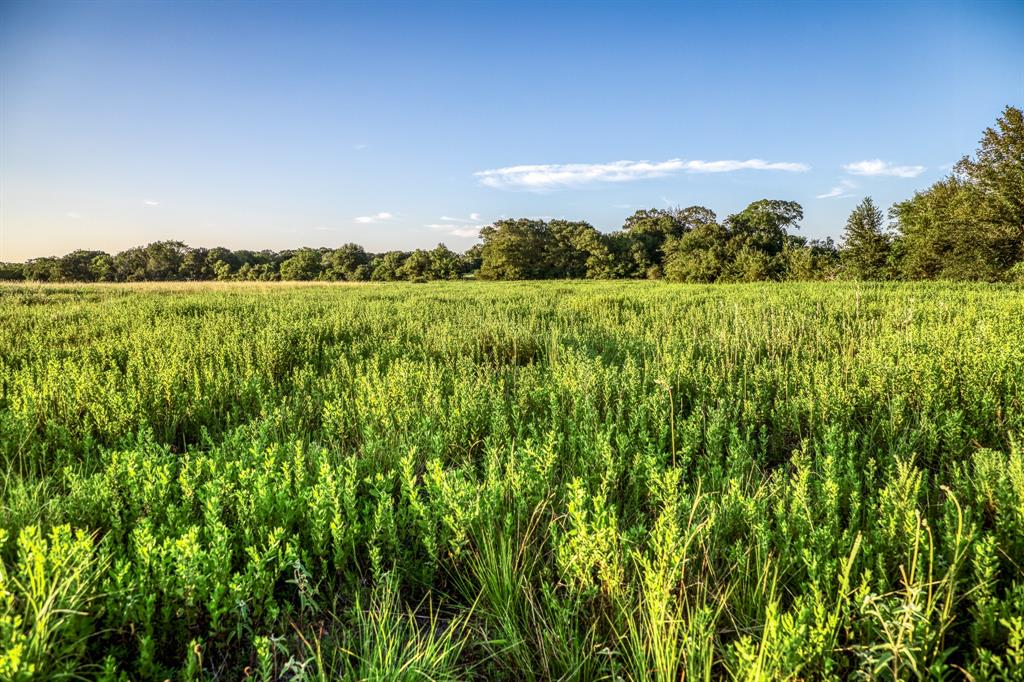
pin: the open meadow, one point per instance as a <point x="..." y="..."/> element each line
<point x="521" y="481"/>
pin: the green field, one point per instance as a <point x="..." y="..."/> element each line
<point x="624" y="480"/>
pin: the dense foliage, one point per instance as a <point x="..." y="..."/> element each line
<point x="628" y="480"/>
<point x="969" y="226"/>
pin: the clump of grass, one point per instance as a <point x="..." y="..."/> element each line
<point x="46" y="603"/>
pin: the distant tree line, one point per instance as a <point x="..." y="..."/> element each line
<point x="969" y="225"/>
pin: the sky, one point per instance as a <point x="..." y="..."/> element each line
<point x="400" y="125"/>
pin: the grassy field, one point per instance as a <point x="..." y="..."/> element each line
<point x="541" y="481"/>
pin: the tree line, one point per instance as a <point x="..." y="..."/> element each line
<point x="969" y="225"/>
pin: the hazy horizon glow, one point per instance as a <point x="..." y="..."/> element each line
<point x="399" y="125"/>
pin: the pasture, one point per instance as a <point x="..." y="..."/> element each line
<point x="522" y="481"/>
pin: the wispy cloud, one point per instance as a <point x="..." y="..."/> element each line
<point x="458" y="227"/>
<point x="879" y="167"/>
<point x="543" y="177"/>
<point x="359" y="147"/>
<point x="72" y="215"/>
<point x="840" y="191"/>
<point x="473" y="218"/>
<point x="150" y="202"/>
<point x="375" y="218"/>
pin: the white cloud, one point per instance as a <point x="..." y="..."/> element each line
<point x="361" y="146"/>
<point x="840" y="191"/>
<point x="541" y="177"/>
<point x="458" y="227"/>
<point x="879" y="167"/>
<point x="473" y="218"/>
<point x="72" y="215"/>
<point x="375" y="218"/>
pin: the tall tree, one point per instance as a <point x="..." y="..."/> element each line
<point x="866" y="245"/>
<point x="304" y="265"/>
<point x="347" y="262"/>
<point x="514" y="249"/>
<point x="997" y="174"/>
<point x="970" y="225"/>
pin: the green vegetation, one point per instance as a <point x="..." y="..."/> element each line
<point x="622" y="480"/>
<point x="968" y="226"/>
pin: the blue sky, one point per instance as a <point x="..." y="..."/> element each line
<point x="399" y="125"/>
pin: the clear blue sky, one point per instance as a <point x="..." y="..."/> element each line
<point x="277" y="125"/>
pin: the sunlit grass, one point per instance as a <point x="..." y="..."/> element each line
<point x="536" y="480"/>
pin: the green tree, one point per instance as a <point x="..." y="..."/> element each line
<point x="997" y="171"/>
<point x="444" y="263"/>
<point x="811" y="260"/>
<point x="347" y="262"/>
<point x="762" y="225"/>
<point x="102" y="267"/>
<point x="941" y="234"/>
<point x="45" y="269"/>
<point x="386" y="266"/>
<point x="303" y="265"/>
<point x="514" y="249"/>
<point x="415" y="267"/>
<point x="12" y="272"/>
<point x="701" y="255"/>
<point x="866" y="245"/>
<point x="970" y="225"/>
<point x="569" y="247"/>
<point x="77" y="266"/>
<point x="650" y="229"/>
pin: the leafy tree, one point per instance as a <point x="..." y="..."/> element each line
<point x="77" y="266"/>
<point x="997" y="174"/>
<point x="941" y="235"/>
<point x="12" y="272"/>
<point x="387" y="265"/>
<point x="970" y="225"/>
<point x="415" y="267"/>
<point x="222" y="270"/>
<point x="42" y="269"/>
<point x="304" y="265"/>
<point x="219" y="254"/>
<point x="514" y="249"/>
<point x="569" y="247"/>
<point x="811" y="260"/>
<point x="762" y="225"/>
<point x="866" y="245"/>
<point x="444" y="263"/>
<point x="194" y="265"/>
<point x="472" y="259"/>
<point x="347" y="262"/>
<point x="701" y="255"/>
<point x="102" y="267"/>
<point x="649" y="229"/>
<point x="163" y="260"/>
<point x="130" y="265"/>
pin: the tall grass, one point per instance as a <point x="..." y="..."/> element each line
<point x="627" y="480"/>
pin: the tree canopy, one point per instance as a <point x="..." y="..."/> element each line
<point x="968" y="225"/>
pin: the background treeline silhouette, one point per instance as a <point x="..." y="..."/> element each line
<point x="969" y="225"/>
